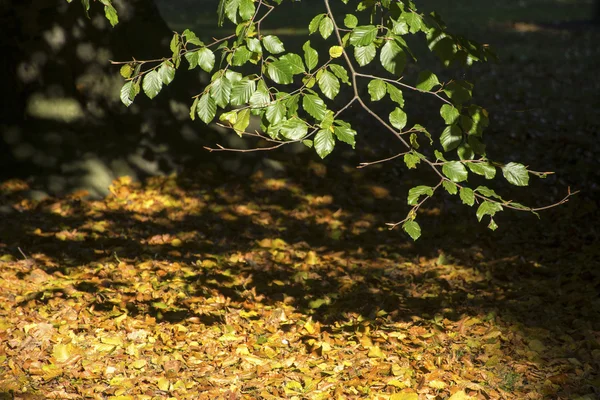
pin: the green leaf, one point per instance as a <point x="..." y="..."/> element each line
<point x="411" y="160"/>
<point x="395" y="94"/>
<point x="345" y="133"/>
<point x="242" y="122"/>
<point x="166" y="72"/>
<point x="450" y="187"/>
<point x="329" y="84"/>
<point x="242" y="91"/>
<point x="254" y="45"/>
<point x="413" y="20"/>
<point x="340" y="72"/>
<point x="294" y="62"/>
<point x="194" y="109"/>
<point x="220" y="90"/>
<point x="276" y="112"/>
<point x="467" y="196"/>
<point x="365" y="54"/>
<point x="311" y="56"/>
<point x="418" y="191"/>
<point x="487" y="192"/>
<point x="152" y="84"/>
<point x="308" y="143"/>
<point x="294" y="129"/>
<point x="427" y="81"/>
<point x="377" y="89"/>
<point x="459" y="91"/>
<point x="449" y="113"/>
<point x="488" y="208"/>
<point x="314" y="106"/>
<point x="412" y="228"/>
<point x="190" y="37"/>
<point x="484" y="168"/>
<point x="439" y="156"/>
<point x="400" y="27"/>
<point x="327" y="121"/>
<point x="175" y="44"/>
<point x="127" y="93"/>
<point x="291" y="103"/>
<point x="111" y="14"/>
<point x="492" y="225"/>
<point x="247" y="9"/>
<point x="273" y="44"/>
<point x="465" y="152"/>
<point x="207" y="108"/>
<point x="326" y="28"/>
<point x="192" y="58"/>
<point x="350" y="21"/>
<point x="260" y="98"/>
<point x="241" y="56"/>
<point x="206" y="59"/>
<point x="392" y="57"/>
<point x="477" y="146"/>
<point x="451" y="137"/>
<point x="398" y="118"/>
<point x="363" y="35"/>
<point x="324" y="143"/>
<point x="280" y="72"/>
<point x="313" y="26"/>
<point x="455" y="171"/>
<point x="516" y="174"/>
<point x="231" y="9"/>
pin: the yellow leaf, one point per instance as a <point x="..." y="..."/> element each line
<point x="437" y="384"/>
<point x="163" y="384"/>
<point x="137" y="364"/>
<point x="114" y="340"/>
<point x="460" y="395"/>
<point x="176" y="242"/>
<point x="62" y="352"/>
<point x="375" y="352"/>
<point x="336" y="51"/>
<point x="310" y="328"/>
<point x="404" y="396"/>
<point x="311" y="258"/>
<point x="396" y="383"/>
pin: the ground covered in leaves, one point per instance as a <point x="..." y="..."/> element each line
<point x="211" y="286"/>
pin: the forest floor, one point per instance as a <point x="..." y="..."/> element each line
<point x="214" y="286"/>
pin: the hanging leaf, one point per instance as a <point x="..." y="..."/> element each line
<point x="418" y="191"/>
<point x="311" y="56"/>
<point x="516" y="174"/>
<point x="324" y="142"/>
<point x="329" y="84"/>
<point x="207" y="108"/>
<point x="152" y="84"/>
<point x="365" y="54"/>
<point x="393" y="58"/>
<point x="398" y="118"/>
<point x="455" y="171"/>
<point x="412" y="228"/>
<point x="377" y="89"/>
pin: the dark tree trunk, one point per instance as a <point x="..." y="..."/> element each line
<point x="61" y="117"/>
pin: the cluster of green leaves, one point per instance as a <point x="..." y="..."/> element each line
<point x="109" y="10"/>
<point x="293" y="95"/>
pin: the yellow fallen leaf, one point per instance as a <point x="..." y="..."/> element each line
<point x="460" y="395"/>
<point x="404" y="396"/>
<point x="163" y="384"/>
<point x="437" y="384"/>
<point x="137" y="364"/>
<point x="375" y="352"/>
<point x="310" y="328"/>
